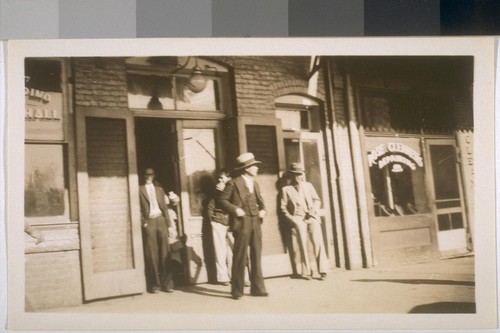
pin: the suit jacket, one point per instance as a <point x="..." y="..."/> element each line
<point x="233" y="195"/>
<point x="291" y="199"/>
<point x="160" y="197"/>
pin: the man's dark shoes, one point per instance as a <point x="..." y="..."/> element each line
<point x="236" y="296"/>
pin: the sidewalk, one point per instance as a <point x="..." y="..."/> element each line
<point x="444" y="286"/>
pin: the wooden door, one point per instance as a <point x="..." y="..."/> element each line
<point x="307" y="149"/>
<point x="401" y="220"/>
<point x="446" y="196"/>
<point x="200" y="156"/>
<point x="108" y="193"/>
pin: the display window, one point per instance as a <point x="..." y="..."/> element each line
<point x="397" y="176"/>
<point x="45" y="188"/>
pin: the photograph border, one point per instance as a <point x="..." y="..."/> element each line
<point x="483" y="50"/>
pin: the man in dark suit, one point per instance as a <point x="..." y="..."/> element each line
<point x="241" y="199"/>
<point x="157" y="226"/>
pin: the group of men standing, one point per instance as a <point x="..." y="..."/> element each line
<point x="237" y="207"/>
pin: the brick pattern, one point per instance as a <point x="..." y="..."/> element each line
<point x="52" y="280"/>
<point x="259" y="80"/>
<point x="109" y="195"/>
<point x="100" y="82"/>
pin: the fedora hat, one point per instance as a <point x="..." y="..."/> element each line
<point x="245" y="160"/>
<point x="296" y="168"/>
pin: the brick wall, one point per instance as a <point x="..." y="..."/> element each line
<point x="259" y="80"/>
<point x="52" y="280"/>
<point x="100" y="82"/>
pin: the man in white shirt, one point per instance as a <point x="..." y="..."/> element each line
<point x="157" y="226"/>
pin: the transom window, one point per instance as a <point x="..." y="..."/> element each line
<point x="166" y="83"/>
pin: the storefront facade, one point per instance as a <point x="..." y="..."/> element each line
<point x="389" y="194"/>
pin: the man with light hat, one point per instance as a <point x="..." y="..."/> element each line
<point x="243" y="202"/>
<point x="300" y="204"/>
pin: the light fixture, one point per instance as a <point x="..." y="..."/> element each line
<point x="197" y="82"/>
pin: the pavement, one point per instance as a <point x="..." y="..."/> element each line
<point x="443" y="286"/>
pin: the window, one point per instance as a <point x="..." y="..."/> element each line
<point x="297" y="113"/>
<point x="158" y="92"/>
<point x="397" y="176"/>
<point x="200" y="161"/>
<point x="45" y="188"/>
<point x="169" y="83"/>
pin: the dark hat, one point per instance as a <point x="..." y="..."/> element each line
<point x="296" y="168"/>
<point x="245" y="160"/>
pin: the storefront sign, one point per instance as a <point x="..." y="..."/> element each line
<point x="43" y="112"/>
<point x="394" y="152"/>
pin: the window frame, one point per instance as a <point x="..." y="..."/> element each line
<point x="71" y="215"/>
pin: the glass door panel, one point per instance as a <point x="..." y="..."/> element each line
<point x="447" y="195"/>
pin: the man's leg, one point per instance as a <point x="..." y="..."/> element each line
<point x="241" y="239"/>
<point x="219" y="232"/>
<point x="257" y="286"/>
<point x="316" y="234"/>
<point x="301" y="228"/>
<point x="166" y="274"/>
<point x="151" y="256"/>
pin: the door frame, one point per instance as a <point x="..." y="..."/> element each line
<point x="432" y="195"/>
<point x="192" y="225"/>
<point x="325" y="211"/>
<point x="114" y="283"/>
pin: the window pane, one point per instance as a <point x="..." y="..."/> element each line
<point x="200" y="163"/>
<point x="311" y="165"/>
<point x="457" y="221"/>
<point x="44" y="186"/>
<point x="397" y="177"/>
<point x="43" y="100"/>
<point x="151" y="92"/>
<point x="444" y="171"/>
<point x="205" y="100"/>
<point x="155" y="92"/>
<point x="290" y="120"/>
<point x="444" y="222"/>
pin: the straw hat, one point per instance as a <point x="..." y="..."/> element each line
<point x="245" y="160"/>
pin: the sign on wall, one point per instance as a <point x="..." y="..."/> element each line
<point x="394" y="152"/>
<point x="43" y="100"/>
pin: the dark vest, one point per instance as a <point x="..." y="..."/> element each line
<point x="250" y="205"/>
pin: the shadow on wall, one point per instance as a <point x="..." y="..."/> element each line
<point x="445" y="307"/>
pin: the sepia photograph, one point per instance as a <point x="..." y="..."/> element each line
<point x="251" y="184"/>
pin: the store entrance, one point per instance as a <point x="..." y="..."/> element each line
<point x="156" y="147"/>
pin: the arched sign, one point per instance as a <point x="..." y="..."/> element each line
<point x="394" y="152"/>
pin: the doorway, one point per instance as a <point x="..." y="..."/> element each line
<point x="156" y="147"/>
<point x="447" y="197"/>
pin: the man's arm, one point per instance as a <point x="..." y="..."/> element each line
<point x="225" y="197"/>
<point x="284" y="205"/>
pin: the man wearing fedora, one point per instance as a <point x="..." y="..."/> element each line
<point x="243" y="202"/>
<point x="300" y="204"/>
